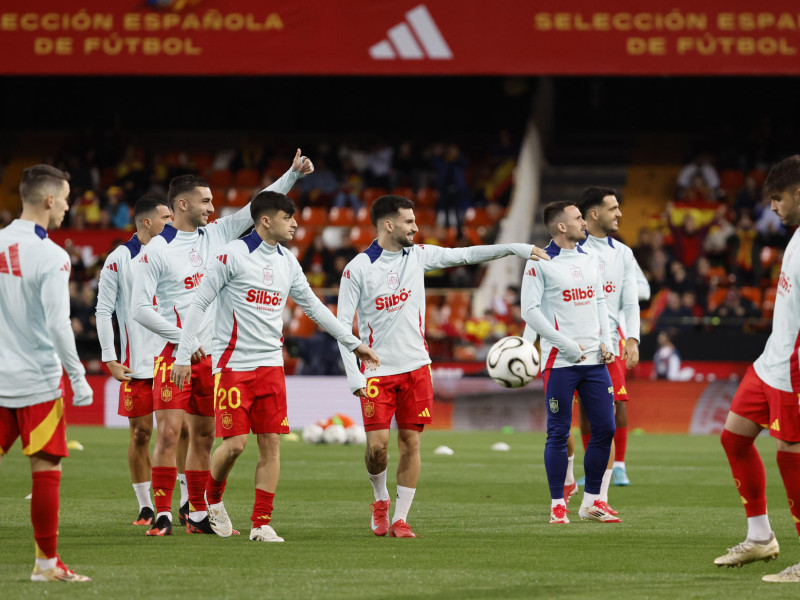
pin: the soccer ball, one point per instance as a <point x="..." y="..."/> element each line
<point x="312" y="434"/>
<point x="334" y="434"/>
<point x="512" y="362"/>
<point x="356" y="435"/>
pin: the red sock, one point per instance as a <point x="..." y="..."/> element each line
<point x="215" y="489"/>
<point x="748" y="472"/>
<point x="789" y="466"/>
<point x="44" y="512"/>
<point x="196" y="486"/>
<point x="262" y="509"/>
<point x="585" y="437"/>
<point x="163" y="486"/>
<point x="620" y="444"/>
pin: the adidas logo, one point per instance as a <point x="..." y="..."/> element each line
<point x="66" y="268"/>
<point x="144" y="259"/>
<point x="223" y="258"/>
<point x="622" y="390"/>
<point x="346" y="274"/>
<point x="416" y="38"/>
<point x="113" y="267"/>
<point x="425" y="413"/>
<point x="13" y="260"/>
<point x="285" y="422"/>
<point x="775" y="426"/>
<point x="531" y="272"/>
<point x="159" y="493"/>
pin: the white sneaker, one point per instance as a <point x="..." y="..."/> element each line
<point x="265" y="533"/>
<point x="788" y="575"/>
<point x="750" y="551"/>
<point x="597" y="512"/>
<point x="60" y="572"/>
<point x="219" y="520"/>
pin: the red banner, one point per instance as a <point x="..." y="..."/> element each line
<point x="468" y="37"/>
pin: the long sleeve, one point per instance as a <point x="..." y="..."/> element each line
<point x="630" y="298"/>
<point x="144" y="289"/>
<point x="229" y="228"/>
<point x="302" y="293"/>
<point x="107" y="290"/>
<point x="216" y="277"/>
<point x="436" y="257"/>
<point x="349" y="296"/>
<point x="531" y="304"/>
<point x="643" y="286"/>
<point x="55" y="301"/>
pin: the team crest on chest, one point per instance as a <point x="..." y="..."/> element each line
<point x="393" y="280"/>
<point x="576" y="273"/>
<point x="269" y="276"/>
<point x="195" y="259"/>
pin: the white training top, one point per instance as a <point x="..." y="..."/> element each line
<point x="387" y="289"/>
<point x="563" y="301"/>
<point x="173" y="264"/>
<point x="779" y="364"/>
<point x="618" y="269"/>
<point x="253" y="280"/>
<point x="35" y="331"/>
<point x="138" y="345"/>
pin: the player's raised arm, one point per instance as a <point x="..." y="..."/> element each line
<point x="531" y="305"/>
<point x="55" y="302"/>
<point x="233" y="226"/>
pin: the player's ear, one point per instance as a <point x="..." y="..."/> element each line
<point x="48" y="201"/>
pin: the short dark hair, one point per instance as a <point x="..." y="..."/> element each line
<point x="553" y="211"/>
<point x="182" y="184"/>
<point x="147" y="204"/>
<point x="593" y="196"/>
<point x="268" y="203"/>
<point x="783" y="175"/>
<point x="388" y="205"/>
<point x="39" y="181"/>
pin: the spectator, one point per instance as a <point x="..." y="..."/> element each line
<point x="379" y="166"/>
<point x="701" y="166"/>
<point x="118" y="210"/>
<point x="451" y="182"/>
<point x="718" y="241"/>
<point x="675" y="317"/>
<point x="317" y="263"/>
<point x="736" y="307"/>
<point x="688" y="240"/>
<point x="748" y="197"/>
<point x="667" y="361"/>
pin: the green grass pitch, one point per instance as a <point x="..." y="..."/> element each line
<point x="481" y="517"/>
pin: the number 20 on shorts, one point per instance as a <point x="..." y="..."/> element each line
<point x="232" y="396"/>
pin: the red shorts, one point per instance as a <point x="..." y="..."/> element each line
<point x="251" y="401"/>
<point x="408" y="397"/>
<point x="135" y="398"/>
<point x="617" y="371"/>
<point x="773" y="409"/>
<point x="196" y="397"/>
<point x="42" y="427"/>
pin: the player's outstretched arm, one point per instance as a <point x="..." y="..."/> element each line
<point x="436" y="257"/>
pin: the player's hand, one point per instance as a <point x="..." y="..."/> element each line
<point x="303" y="164"/>
<point x="574" y="352"/>
<point x="631" y="353"/>
<point x="361" y="393"/>
<point x="367" y="356"/>
<point x="180" y="375"/>
<point x="608" y="357"/>
<point x="119" y="371"/>
<point x="539" y="253"/>
<point x="82" y="394"/>
<point x="198" y="355"/>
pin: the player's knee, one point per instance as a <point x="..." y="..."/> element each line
<point x="235" y="446"/>
<point x="140" y="436"/>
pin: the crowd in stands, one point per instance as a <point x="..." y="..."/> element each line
<point x="713" y="256"/>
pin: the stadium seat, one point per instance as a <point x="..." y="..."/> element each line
<point x="239" y="196"/>
<point x="221" y="177"/>
<point x="301" y="324"/>
<point x="718" y="273"/>
<point x="219" y="197"/>
<point x="202" y="162"/>
<point x="731" y="180"/>
<point x="361" y="237"/>
<point x="362" y="217"/>
<point x="751" y="293"/>
<point x="247" y="178"/>
<point x="768" y="304"/>
<point x="277" y="167"/>
<point x="406" y="192"/>
<point x="426" y="217"/>
<point x="371" y="194"/>
<point x="314" y="216"/>
<point x="477" y="217"/>
<point x="426" y="198"/>
<point x="341" y="217"/>
<point x="716" y="298"/>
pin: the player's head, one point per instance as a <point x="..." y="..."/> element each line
<point x="563" y="220"/>
<point x="600" y="209"/>
<point x="151" y="212"/>
<point x="273" y="213"/>
<point x="393" y="216"/>
<point x="189" y="199"/>
<point x="45" y="188"/>
<point x="782" y="187"/>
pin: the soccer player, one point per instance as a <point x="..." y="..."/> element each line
<point x="137" y="345"/>
<point x="37" y="340"/>
<point x="253" y="277"/>
<point x="171" y="268"/>
<point x="768" y="394"/>
<point x="563" y="301"/>
<point x="385" y="286"/>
